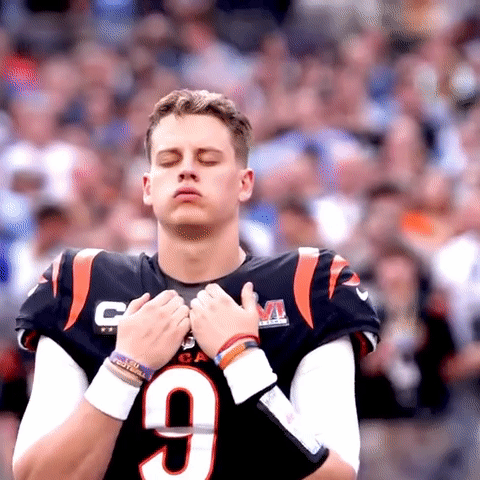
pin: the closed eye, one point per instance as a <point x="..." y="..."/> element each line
<point x="209" y="157"/>
<point x="208" y="162"/>
<point x="168" y="158"/>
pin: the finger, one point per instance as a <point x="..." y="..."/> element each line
<point x="196" y="309"/>
<point x="196" y="305"/>
<point x="174" y="303"/>
<point x="193" y="316"/>
<point x="164" y="297"/>
<point x="184" y="326"/>
<point x="249" y="301"/>
<point x="181" y="313"/>
<point x="204" y="297"/>
<point x="215" y="290"/>
<point x="136" y="304"/>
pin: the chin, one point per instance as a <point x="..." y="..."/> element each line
<point x="193" y="218"/>
<point x="189" y="218"/>
<point x="188" y="222"/>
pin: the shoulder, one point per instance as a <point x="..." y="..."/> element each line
<point x="307" y="267"/>
<point x="101" y="258"/>
<point x="315" y="258"/>
<point x="83" y="265"/>
<point x="74" y="281"/>
<point x="321" y="289"/>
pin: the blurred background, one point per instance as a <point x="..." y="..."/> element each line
<point x="366" y="120"/>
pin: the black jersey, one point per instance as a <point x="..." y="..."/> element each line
<point x="184" y="422"/>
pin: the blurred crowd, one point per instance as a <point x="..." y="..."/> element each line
<point x="366" y="120"/>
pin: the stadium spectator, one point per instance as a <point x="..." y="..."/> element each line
<point x="402" y="396"/>
<point x="296" y="225"/>
<point x="100" y="116"/>
<point x="339" y="212"/>
<point x="37" y="154"/>
<point x="385" y="206"/>
<point x="16" y="226"/>
<point x="51" y="222"/>
<point x="429" y="222"/>
<point x="210" y="63"/>
<point x="404" y="152"/>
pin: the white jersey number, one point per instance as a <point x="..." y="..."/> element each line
<point x="201" y="432"/>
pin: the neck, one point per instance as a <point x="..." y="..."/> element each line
<point x="193" y="254"/>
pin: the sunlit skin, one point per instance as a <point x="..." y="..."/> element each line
<point x="195" y="186"/>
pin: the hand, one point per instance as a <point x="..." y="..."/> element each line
<point x="215" y="317"/>
<point x="151" y="331"/>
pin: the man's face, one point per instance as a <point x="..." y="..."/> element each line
<point x="194" y="178"/>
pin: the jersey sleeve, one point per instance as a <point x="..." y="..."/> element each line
<point x="340" y="305"/>
<point x="56" y="302"/>
<point x="38" y="313"/>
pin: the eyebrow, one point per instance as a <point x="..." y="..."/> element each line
<point x="210" y="149"/>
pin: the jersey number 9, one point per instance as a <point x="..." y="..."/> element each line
<point x="200" y="432"/>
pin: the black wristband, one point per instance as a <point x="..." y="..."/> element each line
<point x="295" y="452"/>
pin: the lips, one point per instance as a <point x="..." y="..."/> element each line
<point x="187" y="191"/>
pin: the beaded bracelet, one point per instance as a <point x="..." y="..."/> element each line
<point x="225" y="358"/>
<point x="132" y="366"/>
<point x="235" y="338"/>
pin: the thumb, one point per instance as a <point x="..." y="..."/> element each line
<point x="249" y="300"/>
<point x="136" y="304"/>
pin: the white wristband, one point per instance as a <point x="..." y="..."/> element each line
<point x="248" y="375"/>
<point x="111" y="395"/>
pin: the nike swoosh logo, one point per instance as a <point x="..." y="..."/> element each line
<point x="363" y="295"/>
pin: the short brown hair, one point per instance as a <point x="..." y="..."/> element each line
<point x="202" y="102"/>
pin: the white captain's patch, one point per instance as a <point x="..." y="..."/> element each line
<point x="107" y="316"/>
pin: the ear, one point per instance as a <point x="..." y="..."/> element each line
<point x="147" y="197"/>
<point x="247" y="181"/>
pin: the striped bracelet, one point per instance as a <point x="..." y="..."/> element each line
<point x="132" y="366"/>
<point x="123" y="374"/>
<point x="236" y="338"/>
<point x="225" y="358"/>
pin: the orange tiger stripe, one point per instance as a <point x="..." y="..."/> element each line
<point x="302" y="281"/>
<point x="82" y="272"/>
<point x="354" y="281"/>
<point x="338" y="264"/>
<point x="55" y="273"/>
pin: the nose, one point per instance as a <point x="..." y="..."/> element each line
<point x="188" y="174"/>
<point x="188" y="171"/>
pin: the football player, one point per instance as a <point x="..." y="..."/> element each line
<point x="201" y="362"/>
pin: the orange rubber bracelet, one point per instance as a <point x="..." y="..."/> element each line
<point x="230" y="356"/>
<point x="236" y="338"/>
